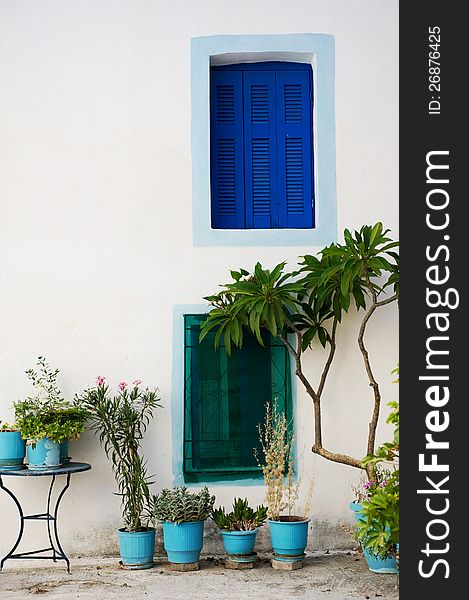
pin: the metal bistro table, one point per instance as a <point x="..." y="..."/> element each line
<point x="50" y="516"/>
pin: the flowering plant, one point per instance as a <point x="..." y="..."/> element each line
<point x="367" y="487"/>
<point x="121" y="420"/>
<point x="378" y="530"/>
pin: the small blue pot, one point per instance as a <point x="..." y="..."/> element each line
<point x="64" y="457"/>
<point x="137" y="548"/>
<point x="239" y="543"/>
<point x="12" y="450"/>
<point x="375" y="563"/>
<point x="183" y="541"/>
<point x="289" y="538"/>
<point x="44" y="455"/>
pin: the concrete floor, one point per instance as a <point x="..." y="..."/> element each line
<point x="335" y="576"/>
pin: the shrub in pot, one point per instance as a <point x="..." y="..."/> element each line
<point x="239" y="527"/>
<point x="46" y="419"/>
<point x="288" y="531"/>
<point x="183" y="514"/>
<point x="121" y="420"/>
<point x="12" y="447"/>
<point x="377" y="505"/>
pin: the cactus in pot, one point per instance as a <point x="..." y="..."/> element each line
<point x="183" y="515"/>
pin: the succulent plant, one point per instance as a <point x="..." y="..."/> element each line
<point x="181" y="506"/>
<point x="242" y="518"/>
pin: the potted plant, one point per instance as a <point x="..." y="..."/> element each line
<point x="239" y="528"/>
<point x="183" y="514"/>
<point x="12" y="447"/>
<point x="377" y="506"/>
<point x="46" y="419"/>
<point x="288" y="531"/>
<point x="121" y="420"/>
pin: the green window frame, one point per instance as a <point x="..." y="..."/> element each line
<point x="224" y="401"/>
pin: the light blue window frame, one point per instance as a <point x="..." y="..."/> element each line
<point x="316" y="49"/>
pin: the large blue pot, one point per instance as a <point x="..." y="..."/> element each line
<point x="137" y="548"/>
<point x="289" y="538"/>
<point x="64" y="457"/>
<point x="239" y="543"/>
<point x="12" y="450"/>
<point x="375" y="563"/>
<point x="183" y="541"/>
<point x="45" y="454"/>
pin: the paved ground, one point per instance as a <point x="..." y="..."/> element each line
<point x="340" y="576"/>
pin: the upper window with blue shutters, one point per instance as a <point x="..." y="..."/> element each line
<point x="261" y="146"/>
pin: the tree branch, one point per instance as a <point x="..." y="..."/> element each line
<point x="372" y="381"/>
<point x="344" y="459"/>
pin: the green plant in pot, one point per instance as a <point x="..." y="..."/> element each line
<point x="377" y="505"/>
<point x="12" y="447"/>
<point x="46" y="420"/>
<point x="288" y="531"/>
<point x="183" y="514"/>
<point x="121" y="420"/>
<point x="239" y="529"/>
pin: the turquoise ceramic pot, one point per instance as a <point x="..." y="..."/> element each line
<point x="183" y="541"/>
<point x="289" y="538"/>
<point x="64" y="457"/>
<point x="137" y="548"/>
<point x="239" y="542"/>
<point x="12" y="450"/>
<point x="375" y="563"/>
<point x="44" y="455"/>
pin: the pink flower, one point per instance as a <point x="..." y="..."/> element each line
<point x="122" y="385"/>
<point x="100" y="380"/>
<point x="137" y="382"/>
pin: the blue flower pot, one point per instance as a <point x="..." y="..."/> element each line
<point x="137" y="548"/>
<point x="12" y="450"/>
<point x="240" y="543"/>
<point x="183" y="541"/>
<point x="44" y="455"/>
<point x="375" y="563"/>
<point x="289" y="538"/>
<point x="64" y="457"/>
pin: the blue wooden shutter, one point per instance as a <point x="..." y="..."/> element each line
<point x="260" y="150"/>
<point x="294" y="149"/>
<point x="226" y="150"/>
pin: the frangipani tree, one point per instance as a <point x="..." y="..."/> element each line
<point x="310" y="303"/>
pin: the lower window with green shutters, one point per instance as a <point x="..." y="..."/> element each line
<point x="224" y="401"/>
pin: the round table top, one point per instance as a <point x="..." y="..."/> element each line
<point x="72" y="467"/>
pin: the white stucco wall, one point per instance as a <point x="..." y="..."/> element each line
<point x="96" y="218"/>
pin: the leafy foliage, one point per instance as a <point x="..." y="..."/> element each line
<point x="5" y="426"/>
<point x="307" y="299"/>
<point x="181" y="506"/>
<point x="121" y="420"/>
<point x="46" y="413"/>
<point x="242" y="517"/>
<point x="261" y="300"/>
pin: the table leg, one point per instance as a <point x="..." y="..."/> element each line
<point x="56" y="512"/>
<point x="21" y="515"/>
<point x="52" y="531"/>
<point x="49" y="495"/>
